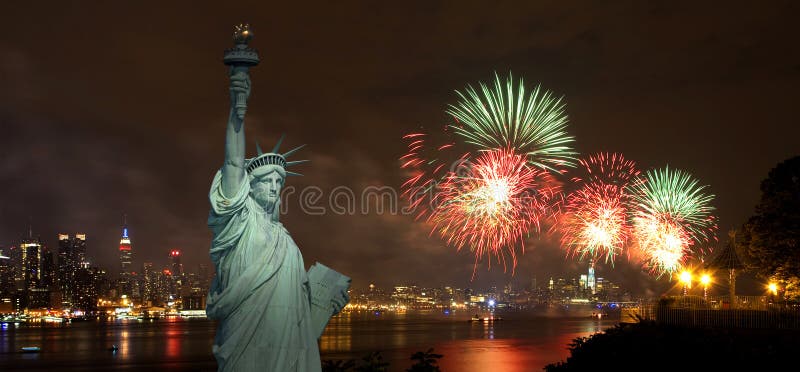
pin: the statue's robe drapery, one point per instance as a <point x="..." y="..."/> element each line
<point x="260" y="293"/>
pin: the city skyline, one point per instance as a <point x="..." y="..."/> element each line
<point x="171" y="261"/>
<point x="125" y="129"/>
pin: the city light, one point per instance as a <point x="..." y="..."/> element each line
<point x="686" y="279"/>
<point x="706" y="280"/>
<point x="773" y="288"/>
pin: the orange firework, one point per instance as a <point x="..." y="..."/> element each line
<point x="595" y="222"/>
<point x="494" y="206"/>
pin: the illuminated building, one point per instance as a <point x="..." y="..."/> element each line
<point x="175" y="260"/>
<point x="125" y="258"/>
<point x="35" y="275"/>
<point x="149" y="284"/>
<point x="7" y="288"/>
<point x="590" y="281"/>
<point x="71" y="254"/>
<point x="181" y="287"/>
<point x="203" y="277"/>
<point x="90" y="284"/>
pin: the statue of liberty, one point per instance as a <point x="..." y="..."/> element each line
<point x="270" y="311"/>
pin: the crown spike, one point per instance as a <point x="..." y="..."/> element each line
<point x="258" y="149"/>
<point x="290" y="163"/>
<point x="292" y="174"/>
<point x="278" y="145"/>
<point x="292" y="151"/>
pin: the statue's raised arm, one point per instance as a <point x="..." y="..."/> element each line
<point x="233" y="171"/>
<point x="240" y="58"/>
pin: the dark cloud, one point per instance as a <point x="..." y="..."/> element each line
<point x="109" y="108"/>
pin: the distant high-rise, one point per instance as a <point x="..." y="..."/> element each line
<point x="71" y="256"/>
<point x="179" y="280"/>
<point x="7" y="287"/>
<point x="590" y="279"/>
<point x="36" y="273"/>
<point x="203" y="277"/>
<point x="125" y="259"/>
<point x="91" y="284"/>
<point x="150" y="283"/>
<point x="175" y="260"/>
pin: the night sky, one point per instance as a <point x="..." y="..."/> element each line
<point x="114" y="107"/>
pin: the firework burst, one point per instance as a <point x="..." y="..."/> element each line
<point x="494" y="207"/>
<point x="595" y="220"/>
<point x="672" y="215"/>
<point x="426" y="162"/>
<point x="506" y="116"/>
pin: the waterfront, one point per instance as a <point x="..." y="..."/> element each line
<point x="521" y="342"/>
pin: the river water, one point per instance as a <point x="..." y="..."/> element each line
<point x="520" y="342"/>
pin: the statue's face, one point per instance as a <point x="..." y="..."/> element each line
<point x="266" y="189"/>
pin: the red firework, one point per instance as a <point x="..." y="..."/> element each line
<point x="426" y="164"/>
<point x="494" y="206"/>
<point x="595" y="223"/>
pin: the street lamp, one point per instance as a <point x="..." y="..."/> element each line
<point x="773" y="288"/>
<point x="705" y="279"/>
<point x="686" y="279"/>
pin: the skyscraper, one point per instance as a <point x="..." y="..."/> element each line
<point x="178" y="277"/>
<point x="590" y="280"/>
<point x="36" y="273"/>
<point x="125" y="259"/>
<point x="7" y="287"/>
<point x="91" y="284"/>
<point x="150" y="284"/>
<point x="175" y="260"/>
<point x="71" y="254"/>
<point x="203" y="277"/>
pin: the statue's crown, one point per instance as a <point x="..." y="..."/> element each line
<point x="273" y="158"/>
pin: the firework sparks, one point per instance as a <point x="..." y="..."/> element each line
<point x="664" y="244"/>
<point x="426" y="165"/>
<point x="506" y="116"/>
<point x="672" y="214"/>
<point x="595" y="222"/>
<point x="494" y="207"/>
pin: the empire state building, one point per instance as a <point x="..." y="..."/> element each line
<point x="125" y="258"/>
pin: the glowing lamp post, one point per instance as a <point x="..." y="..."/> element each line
<point x="773" y="290"/>
<point x="686" y="279"/>
<point x="705" y="279"/>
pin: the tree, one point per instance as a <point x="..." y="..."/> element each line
<point x="770" y="239"/>
<point x="426" y="361"/>
<point x="373" y="362"/>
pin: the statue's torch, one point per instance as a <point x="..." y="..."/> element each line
<point x="240" y="58"/>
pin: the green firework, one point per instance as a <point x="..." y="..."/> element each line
<point x="677" y="196"/>
<point x="507" y="116"/>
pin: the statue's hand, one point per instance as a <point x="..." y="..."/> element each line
<point x="340" y="301"/>
<point x="240" y="87"/>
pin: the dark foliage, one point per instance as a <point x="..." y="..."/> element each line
<point x="426" y="361"/>
<point x="373" y="362"/>
<point x="770" y="240"/>
<point x="338" y="365"/>
<point x="647" y="346"/>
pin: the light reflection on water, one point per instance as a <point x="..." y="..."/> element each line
<point x="87" y="345"/>
<point x="520" y="342"/>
